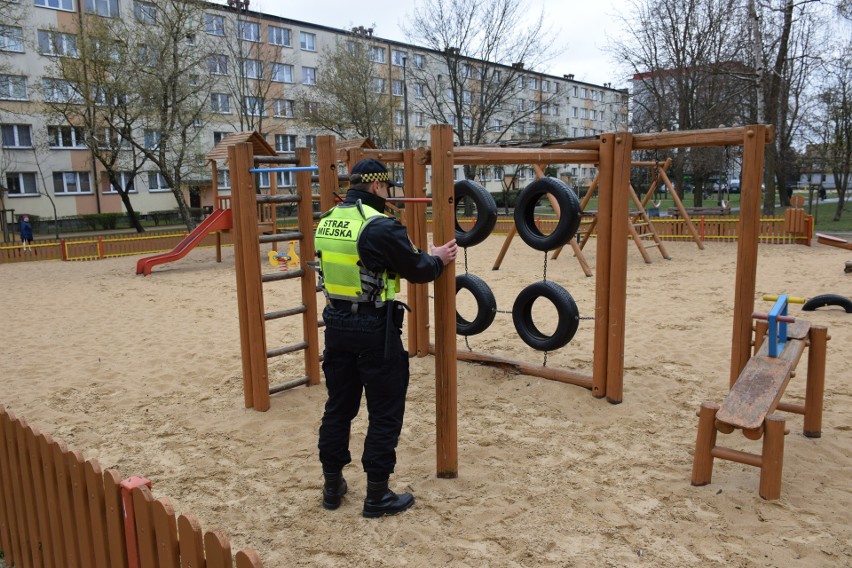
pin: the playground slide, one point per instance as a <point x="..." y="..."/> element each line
<point x="219" y="220"/>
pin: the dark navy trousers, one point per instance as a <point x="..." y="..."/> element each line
<point x="360" y="357"/>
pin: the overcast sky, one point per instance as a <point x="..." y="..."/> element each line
<point x="580" y="26"/>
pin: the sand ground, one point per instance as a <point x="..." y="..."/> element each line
<point x="144" y="374"/>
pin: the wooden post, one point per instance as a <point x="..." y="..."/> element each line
<point x="327" y="171"/>
<point x="773" y="457"/>
<point x="702" y="461"/>
<point x="418" y="181"/>
<point x="249" y="286"/>
<point x="215" y="174"/>
<point x="605" y="179"/>
<point x="749" y="232"/>
<point x="307" y="253"/>
<point x="443" y="227"/>
<point x="815" y="388"/>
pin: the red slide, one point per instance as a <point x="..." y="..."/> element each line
<point x="219" y="220"/>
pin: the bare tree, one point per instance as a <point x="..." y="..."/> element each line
<point x="350" y="97"/>
<point x="12" y="15"/>
<point x="483" y="61"/>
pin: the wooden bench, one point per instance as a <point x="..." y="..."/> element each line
<point x="753" y="400"/>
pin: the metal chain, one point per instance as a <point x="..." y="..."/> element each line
<point x="544" y="277"/>
<point x="545" y="360"/>
<point x="465" y="259"/>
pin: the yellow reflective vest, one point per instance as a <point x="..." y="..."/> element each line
<point x="341" y="275"/>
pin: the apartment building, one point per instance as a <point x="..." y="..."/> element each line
<point x="255" y="67"/>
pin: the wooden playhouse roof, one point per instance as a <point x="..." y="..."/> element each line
<point x="261" y="146"/>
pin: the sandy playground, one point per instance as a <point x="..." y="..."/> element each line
<point x="144" y="374"/>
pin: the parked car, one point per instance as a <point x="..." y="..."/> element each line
<point x="734" y="186"/>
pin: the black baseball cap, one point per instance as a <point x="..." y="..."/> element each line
<point x="370" y="170"/>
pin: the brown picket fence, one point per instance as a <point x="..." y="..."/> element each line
<point x="59" y="510"/>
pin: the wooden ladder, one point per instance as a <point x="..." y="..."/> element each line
<point x="642" y="230"/>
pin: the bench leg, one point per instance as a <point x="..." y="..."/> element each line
<point x="815" y="388"/>
<point x="773" y="457"/>
<point x="702" y="463"/>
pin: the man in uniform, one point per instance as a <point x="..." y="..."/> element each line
<point x="362" y="255"/>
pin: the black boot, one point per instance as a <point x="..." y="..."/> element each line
<point x="333" y="490"/>
<point x="382" y="501"/>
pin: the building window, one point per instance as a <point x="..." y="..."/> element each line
<point x="419" y="90"/>
<point x="419" y="61"/>
<point x="145" y="12"/>
<point x="261" y="180"/>
<point x="152" y="139"/>
<point x="218" y="64"/>
<point x="71" y="182"/>
<point x="125" y="182"/>
<point x="56" y="43"/>
<point x="13" y="87"/>
<point x="533" y="84"/>
<point x="220" y="102"/>
<point x="377" y="54"/>
<point x="311" y="142"/>
<point x="217" y="137"/>
<point x="59" y="91"/>
<point x="11" y="39"/>
<point x="66" y="137"/>
<point x="467" y="97"/>
<point x="419" y="119"/>
<point x="252" y="68"/>
<point x="309" y="75"/>
<point x="396" y="87"/>
<point x="214" y="24"/>
<point x="279" y="36"/>
<point x="248" y="31"/>
<point x="67" y="5"/>
<point x="285" y="179"/>
<point x="283" y="108"/>
<point x="285" y="143"/>
<point x="282" y="73"/>
<point x="378" y="85"/>
<point x="397" y="56"/>
<point x="497" y="124"/>
<point x="253" y="106"/>
<point x="17" y="135"/>
<point x="106" y="8"/>
<point x="223" y="179"/>
<point x="545" y="86"/>
<point x="308" y="41"/>
<point x="311" y="107"/>
<point x="21" y="183"/>
<point x="399" y="118"/>
<point x="156" y="182"/>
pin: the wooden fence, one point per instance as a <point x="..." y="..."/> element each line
<point x="59" y="510"/>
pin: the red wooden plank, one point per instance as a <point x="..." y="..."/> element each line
<point x="48" y="468"/>
<point x="114" y="519"/>
<point x="33" y="535"/>
<point x="217" y="549"/>
<point x="145" y="533"/>
<point x="22" y="551"/>
<point x="66" y="507"/>
<point x="7" y="473"/>
<point x="165" y="526"/>
<point x="191" y="542"/>
<point x="41" y="506"/>
<point x="248" y="559"/>
<point x="97" y="511"/>
<point x="76" y="469"/>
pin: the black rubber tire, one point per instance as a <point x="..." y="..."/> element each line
<point x="827" y="300"/>
<point x="569" y="214"/>
<point x="566" y="310"/>
<point x="486" y="212"/>
<point x="486" y="305"/>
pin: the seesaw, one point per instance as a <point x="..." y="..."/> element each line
<point x="809" y="305"/>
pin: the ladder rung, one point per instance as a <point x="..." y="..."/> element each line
<point x="287" y="275"/>
<point x="287" y="349"/>
<point x="285" y="236"/>
<point x="652" y="245"/>
<point x="284" y="313"/>
<point x="637" y="225"/>
<point x="278" y="198"/>
<point x="289" y="384"/>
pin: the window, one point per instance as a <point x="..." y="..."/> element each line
<point x="533" y="84"/>
<point x="249" y="31"/>
<point x="285" y="143"/>
<point x="111" y="139"/>
<point x="217" y="137"/>
<point x="377" y="54"/>
<point x="11" y="39"/>
<point x="311" y="107"/>
<point x="223" y="179"/>
<point x="152" y="139"/>
<point x="218" y="64"/>
<point x="282" y="73"/>
<point x="279" y="36"/>
<point x="21" y="183"/>
<point x="378" y="85"/>
<point x="307" y="41"/>
<point x="283" y="108"/>
<point x="156" y="182"/>
<point x="467" y="97"/>
<point x="521" y="105"/>
<point x="252" y="68"/>
<point x="262" y="180"/>
<point x="145" y="12"/>
<point x="466" y="70"/>
<point x="399" y="118"/>
<point x="397" y="57"/>
<point x="125" y="182"/>
<point x="67" y="5"/>
<point x="285" y="179"/>
<point x="253" y="106"/>
<point x="583" y="93"/>
<point x="66" y="137"/>
<point x="71" y="182"/>
<point x="214" y="24"/>
<point x="311" y="142"/>
<point x="397" y="87"/>
<point x="107" y="8"/>
<point x="521" y="82"/>
<point x="449" y="94"/>
<point x="220" y="102"/>
<point x="497" y="124"/>
<point x="419" y="61"/>
<point x="545" y="86"/>
<point x="419" y="119"/>
<point x="574" y="112"/>
<point x="13" y="87"/>
<point x="59" y="91"/>
<point x="309" y="75"/>
<point x="17" y="135"/>
<point x="419" y="90"/>
<point x="56" y="43"/>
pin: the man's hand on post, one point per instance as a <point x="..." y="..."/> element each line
<point x="446" y="252"/>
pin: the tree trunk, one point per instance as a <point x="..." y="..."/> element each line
<point x="128" y="206"/>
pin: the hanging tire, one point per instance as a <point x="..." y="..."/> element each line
<point x="569" y="214"/>
<point x="566" y="311"/>
<point x="828" y="300"/>
<point x="486" y="212"/>
<point x="486" y="305"/>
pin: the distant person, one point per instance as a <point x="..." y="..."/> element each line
<point x="26" y="231"/>
<point x="822" y="192"/>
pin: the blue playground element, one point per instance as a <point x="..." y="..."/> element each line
<point x="777" y="333"/>
<point x="287" y="169"/>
